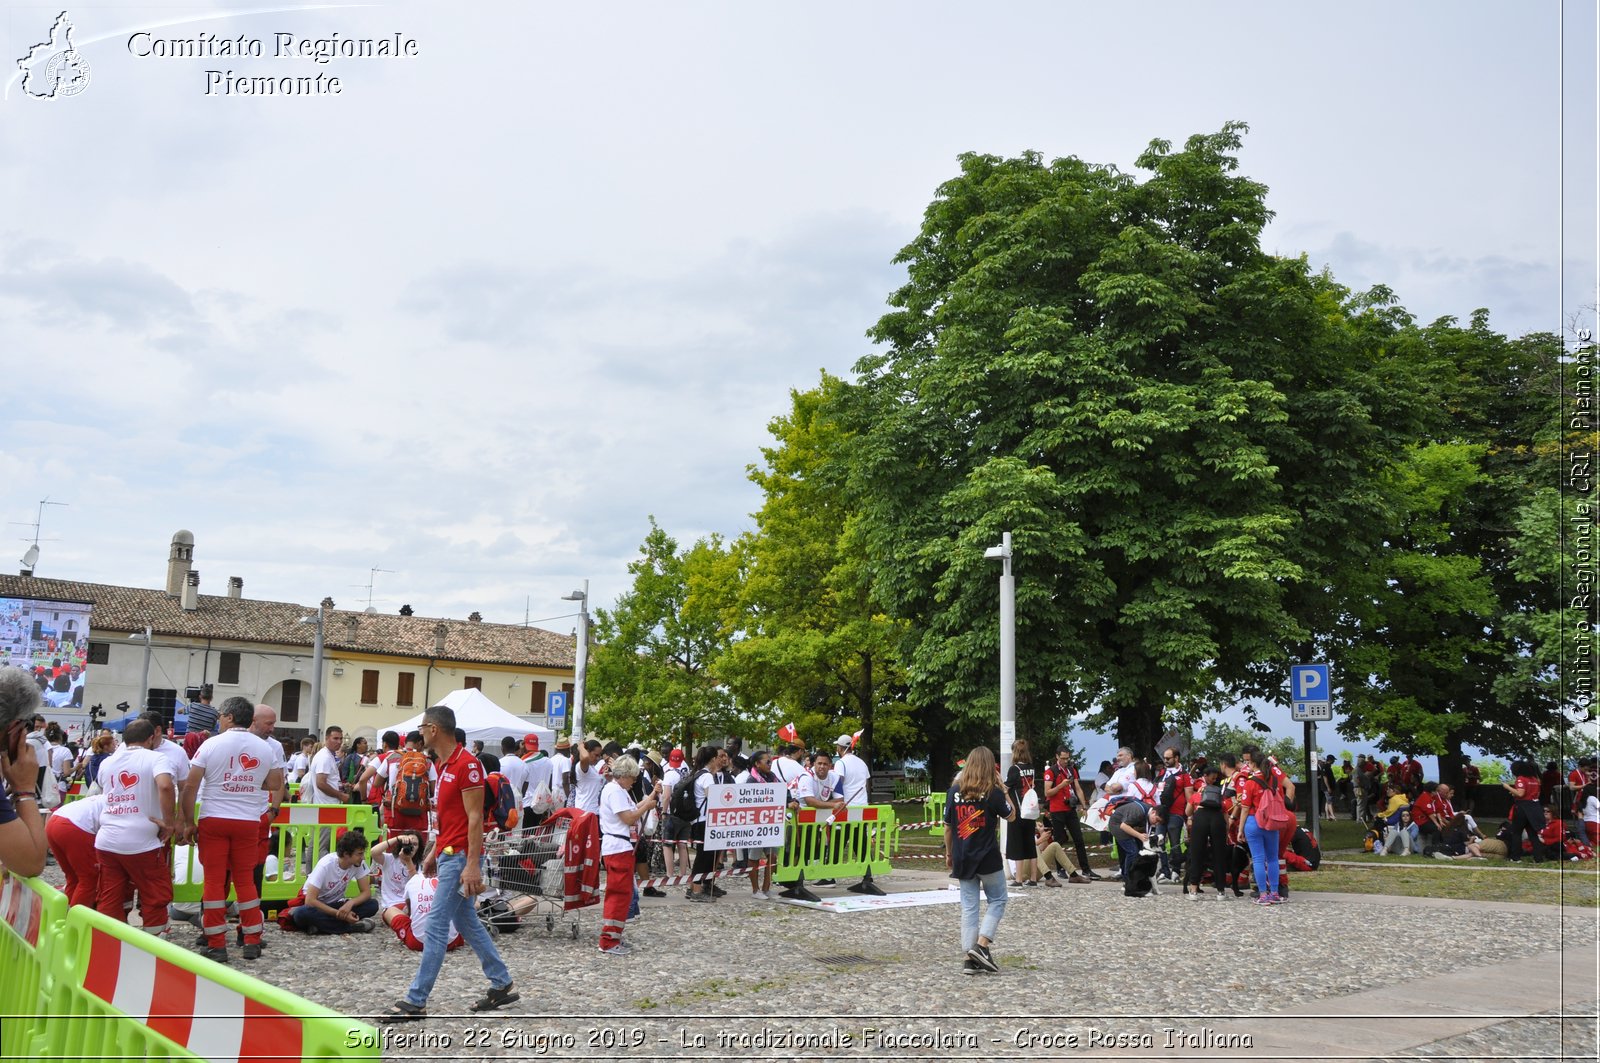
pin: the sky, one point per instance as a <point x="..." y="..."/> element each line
<point x="474" y="319"/>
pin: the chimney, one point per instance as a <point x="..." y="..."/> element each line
<point x="191" y="592"/>
<point x="475" y="617"/>
<point x="235" y="586"/>
<point x="179" y="560"/>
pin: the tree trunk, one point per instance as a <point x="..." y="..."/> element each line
<point x="1139" y="726"/>
<point x="1452" y="764"/>
<point x="866" y="700"/>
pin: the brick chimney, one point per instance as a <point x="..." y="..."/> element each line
<point x="235" y="586"/>
<point x="191" y="591"/>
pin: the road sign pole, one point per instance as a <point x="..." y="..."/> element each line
<point x="1312" y="780"/>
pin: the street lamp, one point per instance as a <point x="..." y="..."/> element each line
<point x="581" y="663"/>
<point x="316" y="672"/>
<point x="144" y="683"/>
<point x="1008" y="650"/>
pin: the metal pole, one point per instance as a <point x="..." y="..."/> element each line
<point x="1008" y="656"/>
<point x="144" y="682"/>
<point x="580" y="665"/>
<point x="1312" y="781"/>
<point x="316" y="679"/>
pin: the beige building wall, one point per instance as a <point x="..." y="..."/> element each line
<point x="512" y="688"/>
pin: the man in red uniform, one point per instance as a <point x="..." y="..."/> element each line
<point x="455" y="859"/>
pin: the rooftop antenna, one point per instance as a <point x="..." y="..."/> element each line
<point x="31" y="558"/>
<point x="372" y="578"/>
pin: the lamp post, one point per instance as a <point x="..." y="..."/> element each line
<point x="1008" y="650"/>
<point x="581" y="661"/>
<point x="144" y="681"/>
<point x="316" y="673"/>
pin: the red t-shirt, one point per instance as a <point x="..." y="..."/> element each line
<point x="1061" y="802"/>
<point x="1250" y="786"/>
<point x="1397" y="775"/>
<point x="1413" y="771"/>
<point x="1423" y="808"/>
<point x="1180" y="792"/>
<point x="1530" y="788"/>
<point x="460" y="777"/>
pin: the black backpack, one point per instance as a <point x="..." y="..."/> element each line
<point x="682" y="806"/>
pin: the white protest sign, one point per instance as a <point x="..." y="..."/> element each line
<point x="746" y="815"/>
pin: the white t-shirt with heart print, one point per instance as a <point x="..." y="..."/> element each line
<point x="235" y="762"/>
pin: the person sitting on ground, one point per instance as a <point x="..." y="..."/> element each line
<point x="408" y="916"/>
<point x="1589" y="803"/>
<point x="1459" y="842"/>
<point x="1053" y="859"/>
<point x="393" y="861"/>
<point x="326" y="909"/>
<point x="1397" y="836"/>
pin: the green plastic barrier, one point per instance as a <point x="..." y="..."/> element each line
<point x="933" y="812"/>
<point x="864" y="843"/>
<point x="116" y="992"/>
<point x="32" y="921"/>
<point x="294" y="847"/>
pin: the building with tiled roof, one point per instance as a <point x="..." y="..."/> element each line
<point x="378" y="668"/>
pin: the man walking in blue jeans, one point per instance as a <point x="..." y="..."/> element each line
<point x="457" y="859"/>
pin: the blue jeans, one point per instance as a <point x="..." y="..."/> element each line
<point x="306" y="917"/>
<point x="1263" y="855"/>
<point x="450" y="907"/>
<point x="994" y="887"/>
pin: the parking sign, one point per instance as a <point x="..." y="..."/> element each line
<point x="557" y="704"/>
<point x="1310" y="693"/>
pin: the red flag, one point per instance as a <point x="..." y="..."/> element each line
<point x="855" y="739"/>
<point x="788" y="733"/>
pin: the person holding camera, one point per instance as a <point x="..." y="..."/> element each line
<point x="408" y="895"/>
<point x="1063" y="796"/>
<point x="22" y="840"/>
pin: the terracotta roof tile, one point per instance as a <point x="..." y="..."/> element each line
<point x="129" y="609"/>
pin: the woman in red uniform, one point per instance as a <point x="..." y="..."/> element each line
<point x="1526" y="812"/>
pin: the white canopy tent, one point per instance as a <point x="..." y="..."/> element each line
<point x="483" y="721"/>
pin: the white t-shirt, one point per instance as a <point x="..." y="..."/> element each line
<point x="394" y="777"/>
<point x="516" y="774"/>
<point x="823" y="789"/>
<point x="537" y="773"/>
<point x="559" y="763"/>
<point x="129" y="778"/>
<point x="854" y="777"/>
<point x="790" y="771"/>
<point x="1123" y="777"/>
<point x="392" y="878"/>
<point x="1591" y="809"/>
<point x="298" y="763"/>
<point x="586" y="787"/>
<point x="235" y="763"/>
<point x="330" y="881"/>
<point x="615" y="835"/>
<point x="419" y="900"/>
<point x="703" y="782"/>
<point x="60" y="760"/>
<point x="323" y="762"/>
<point x="275" y="751"/>
<point x="178" y="759"/>
<point x="84" y="814"/>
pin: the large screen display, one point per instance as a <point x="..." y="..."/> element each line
<point x="49" y="640"/>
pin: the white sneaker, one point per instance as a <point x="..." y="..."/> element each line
<point x="1192" y="896"/>
<point x="758" y="895"/>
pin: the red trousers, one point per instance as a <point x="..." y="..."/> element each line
<point x="228" y="849"/>
<point x="619" y="894"/>
<point x="148" y="874"/>
<point x="74" y="851"/>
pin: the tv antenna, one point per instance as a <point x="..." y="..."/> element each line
<point x="372" y="578"/>
<point x="31" y="557"/>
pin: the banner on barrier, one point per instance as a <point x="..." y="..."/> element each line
<point x="746" y="815"/>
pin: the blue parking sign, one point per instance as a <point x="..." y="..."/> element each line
<point x="557" y="704"/>
<point x="1310" y="693"/>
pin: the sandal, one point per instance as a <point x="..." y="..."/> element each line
<point x="496" y="998"/>
<point x="403" y="1011"/>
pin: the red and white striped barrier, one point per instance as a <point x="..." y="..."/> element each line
<point x="318" y="815"/>
<point x="20" y="907"/>
<point x="207" y="1019"/>
<point x="684" y="880"/>
<point x="851" y="814"/>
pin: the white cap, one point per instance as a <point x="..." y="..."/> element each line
<point x="844" y="740"/>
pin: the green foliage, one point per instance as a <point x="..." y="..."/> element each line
<point x="1180" y="431"/>
<point x="651" y="675"/>
<point x="815" y="649"/>
<point x="1217" y="738"/>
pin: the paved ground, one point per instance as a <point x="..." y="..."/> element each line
<point x="1086" y="974"/>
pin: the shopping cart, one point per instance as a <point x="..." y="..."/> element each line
<point x="556" y="865"/>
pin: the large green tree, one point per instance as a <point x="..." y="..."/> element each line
<point x="651" y="672"/>
<point x="1181" y="431"/>
<point x="814" y="649"/>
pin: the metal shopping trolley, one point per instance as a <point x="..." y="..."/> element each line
<point x="556" y="864"/>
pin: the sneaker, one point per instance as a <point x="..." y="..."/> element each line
<point x="1192" y="896"/>
<point x="218" y="955"/>
<point x="1263" y="900"/>
<point x="621" y="948"/>
<point x="718" y="891"/>
<point x="971" y="967"/>
<point x="981" y="955"/>
<point x="252" y="952"/>
<point x="759" y="895"/>
<point x="1092" y="876"/>
<point x="700" y="898"/>
<point x="1440" y="854"/>
<point x="1223" y="895"/>
<point x="832" y="882"/>
<point x="651" y="891"/>
<point x="362" y="926"/>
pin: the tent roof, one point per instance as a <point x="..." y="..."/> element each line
<point x="483" y="721"/>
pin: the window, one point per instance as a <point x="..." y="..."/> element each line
<point x="228" y="669"/>
<point x="473" y="682"/>
<point x="289" y="710"/>
<point x="539" y="706"/>
<point x="369" y="686"/>
<point x="99" y="653"/>
<point x="571" y="690"/>
<point x="404" y="691"/>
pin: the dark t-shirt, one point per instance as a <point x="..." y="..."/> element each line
<point x="1134" y="814"/>
<point x="1019" y="780"/>
<point x="974" y="833"/>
